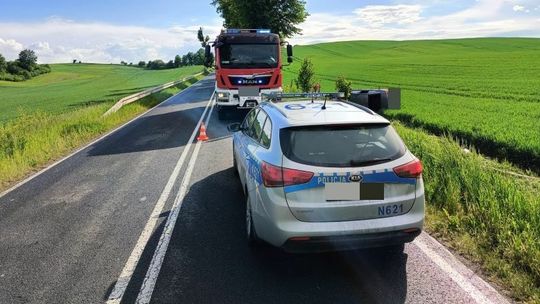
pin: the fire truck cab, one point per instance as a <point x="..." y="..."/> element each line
<point x="248" y="63"/>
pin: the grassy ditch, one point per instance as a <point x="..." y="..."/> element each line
<point x="490" y="217"/>
<point x="33" y="140"/>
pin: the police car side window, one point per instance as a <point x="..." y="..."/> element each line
<point x="266" y="133"/>
<point x="257" y="125"/>
<point x="248" y="121"/>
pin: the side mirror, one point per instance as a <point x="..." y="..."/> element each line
<point x="234" y="127"/>
<point x="207" y="51"/>
<point x="289" y="50"/>
<point x="289" y="53"/>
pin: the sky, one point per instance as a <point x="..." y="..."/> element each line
<point x="132" y="30"/>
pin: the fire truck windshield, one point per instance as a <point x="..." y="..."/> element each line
<point x="249" y="55"/>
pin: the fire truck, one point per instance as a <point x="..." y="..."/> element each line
<point x="248" y="63"/>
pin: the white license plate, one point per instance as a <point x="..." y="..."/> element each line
<point x="353" y="191"/>
<point x="342" y="191"/>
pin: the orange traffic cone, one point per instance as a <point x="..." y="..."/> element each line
<point x="202" y="133"/>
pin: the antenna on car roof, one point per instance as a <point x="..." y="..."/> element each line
<point x="324" y="105"/>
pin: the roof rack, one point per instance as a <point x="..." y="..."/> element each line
<point x="277" y="97"/>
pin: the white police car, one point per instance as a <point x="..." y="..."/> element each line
<point x="326" y="176"/>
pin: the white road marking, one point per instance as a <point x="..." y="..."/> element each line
<point x="31" y="177"/>
<point x="456" y="276"/>
<point x="129" y="268"/>
<point x="147" y="288"/>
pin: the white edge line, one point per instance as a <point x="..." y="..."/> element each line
<point x="457" y="277"/>
<point x="31" y="177"/>
<point x="147" y="288"/>
<point x="122" y="282"/>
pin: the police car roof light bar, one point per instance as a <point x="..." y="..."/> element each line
<point x="240" y="31"/>
<point x="279" y="96"/>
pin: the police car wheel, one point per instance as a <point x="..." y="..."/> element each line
<point x="250" y="229"/>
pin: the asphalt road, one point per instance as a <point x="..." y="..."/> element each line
<point x="65" y="236"/>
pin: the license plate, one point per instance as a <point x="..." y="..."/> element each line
<point x="250" y="104"/>
<point x="353" y="191"/>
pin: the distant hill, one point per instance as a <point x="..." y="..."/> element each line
<point x="68" y="86"/>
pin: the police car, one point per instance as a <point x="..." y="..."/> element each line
<point x="326" y="175"/>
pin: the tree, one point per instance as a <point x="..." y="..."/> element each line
<point x="187" y="59"/>
<point x="27" y="59"/>
<point x="141" y="64"/>
<point x="170" y="65"/>
<point x="157" y="64"/>
<point x="344" y="85"/>
<point x="3" y="64"/>
<point x="204" y="40"/>
<point x="74" y="61"/>
<point x="177" y="61"/>
<point x="198" y="57"/>
<point x="305" y="76"/>
<point x="281" y="16"/>
<point x="149" y="64"/>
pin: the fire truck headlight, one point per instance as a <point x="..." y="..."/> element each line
<point x="223" y="95"/>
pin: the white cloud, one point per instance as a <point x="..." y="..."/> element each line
<point x="60" y="40"/>
<point x="378" y="15"/>
<point x="518" y="8"/>
<point x="10" y="48"/>
<point x="483" y="18"/>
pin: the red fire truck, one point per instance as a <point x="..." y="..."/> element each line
<point x="248" y="63"/>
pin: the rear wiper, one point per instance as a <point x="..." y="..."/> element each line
<point x="357" y="163"/>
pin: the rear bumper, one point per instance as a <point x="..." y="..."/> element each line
<point x="231" y="98"/>
<point x="350" y="242"/>
<point x="275" y="224"/>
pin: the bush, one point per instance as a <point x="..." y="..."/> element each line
<point x="14" y="68"/>
<point x="3" y="64"/>
<point x="343" y="85"/>
<point x="305" y="76"/>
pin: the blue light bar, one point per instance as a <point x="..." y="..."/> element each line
<point x="238" y="31"/>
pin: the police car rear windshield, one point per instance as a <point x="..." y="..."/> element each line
<point x="342" y="146"/>
<point x="249" y="55"/>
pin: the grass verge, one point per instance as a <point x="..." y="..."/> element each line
<point x="486" y="215"/>
<point x="31" y="141"/>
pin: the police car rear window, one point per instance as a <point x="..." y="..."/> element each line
<point x="342" y="146"/>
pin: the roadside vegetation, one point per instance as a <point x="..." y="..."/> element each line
<point x="477" y="93"/>
<point x="72" y="86"/>
<point x="482" y="91"/>
<point x="481" y="211"/>
<point x="34" y="139"/>
<point x="23" y="68"/>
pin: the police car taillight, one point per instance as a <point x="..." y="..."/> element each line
<point x="410" y="170"/>
<point x="274" y="176"/>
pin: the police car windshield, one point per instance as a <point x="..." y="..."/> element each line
<point x="342" y="146"/>
<point x="249" y="55"/>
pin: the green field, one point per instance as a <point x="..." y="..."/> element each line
<point x="484" y="91"/>
<point x="70" y="86"/>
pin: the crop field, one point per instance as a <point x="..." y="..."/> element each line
<point x="70" y="86"/>
<point x="484" y="91"/>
